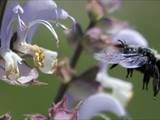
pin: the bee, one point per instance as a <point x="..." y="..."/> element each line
<point x="134" y="58"/>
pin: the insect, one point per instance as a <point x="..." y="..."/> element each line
<point x="134" y="58"/>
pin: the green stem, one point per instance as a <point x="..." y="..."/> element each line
<point x="73" y="62"/>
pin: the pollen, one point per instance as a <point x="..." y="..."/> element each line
<point x="12" y="73"/>
<point x="38" y="55"/>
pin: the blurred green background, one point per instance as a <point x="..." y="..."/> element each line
<point x="143" y="15"/>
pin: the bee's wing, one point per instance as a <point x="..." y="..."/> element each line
<point x="110" y="56"/>
<point x="133" y="60"/>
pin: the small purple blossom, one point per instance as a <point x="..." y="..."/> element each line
<point x="6" y="116"/>
<point x="57" y="111"/>
<point x="35" y="117"/>
<point x="60" y="111"/>
<point x="64" y="71"/>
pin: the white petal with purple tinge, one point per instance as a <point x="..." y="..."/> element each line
<point x="100" y="102"/>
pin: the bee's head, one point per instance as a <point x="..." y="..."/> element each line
<point x="121" y="44"/>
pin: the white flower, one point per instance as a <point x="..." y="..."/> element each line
<point x="120" y="30"/>
<point x="11" y="64"/>
<point x="121" y="89"/>
<point x="11" y="59"/>
<point x="131" y="37"/>
<point x="98" y="103"/>
<point x="45" y="60"/>
<point x="49" y="62"/>
<point x="28" y="75"/>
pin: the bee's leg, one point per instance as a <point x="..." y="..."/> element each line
<point x="147" y="75"/>
<point x="147" y="81"/>
<point x="143" y="86"/>
<point x="156" y="80"/>
<point x="129" y="73"/>
<point x="113" y="66"/>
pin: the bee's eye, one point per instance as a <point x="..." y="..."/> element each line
<point x="134" y="49"/>
<point x="130" y="49"/>
<point x="145" y="53"/>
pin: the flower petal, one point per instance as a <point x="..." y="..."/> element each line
<point x="100" y="102"/>
<point x="23" y="32"/>
<point x="131" y="37"/>
<point x="45" y="10"/>
<point x="121" y="90"/>
<point x="11" y="64"/>
<point x="35" y="117"/>
<point x="6" y="29"/>
<point x="49" y="62"/>
<point x="44" y="59"/>
<point x="120" y="30"/>
<point x="27" y="77"/>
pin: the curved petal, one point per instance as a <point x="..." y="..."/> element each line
<point x="131" y="37"/>
<point x="111" y="5"/>
<point x="45" y="10"/>
<point x="46" y="24"/>
<point x="100" y="102"/>
<point x="38" y="9"/>
<point x="121" y="89"/>
<point x="6" y="29"/>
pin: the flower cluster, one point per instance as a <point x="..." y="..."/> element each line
<point x="109" y="40"/>
<point x="16" y="44"/>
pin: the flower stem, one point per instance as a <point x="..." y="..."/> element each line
<point x="76" y="56"/>
<point x="73" y="62"/>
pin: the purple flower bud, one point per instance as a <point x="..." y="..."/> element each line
<point x="95" y="10"/>
<point x="60" y="111"/>
<point x="6" y="116"/>
<point x="74" y="34"/>
<point x="96" y="40"/>
<point x="64" y="71"/>
<point x="111" y="5"/>
<point x="35" y="117"/>
<point x="57" y="111"/>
